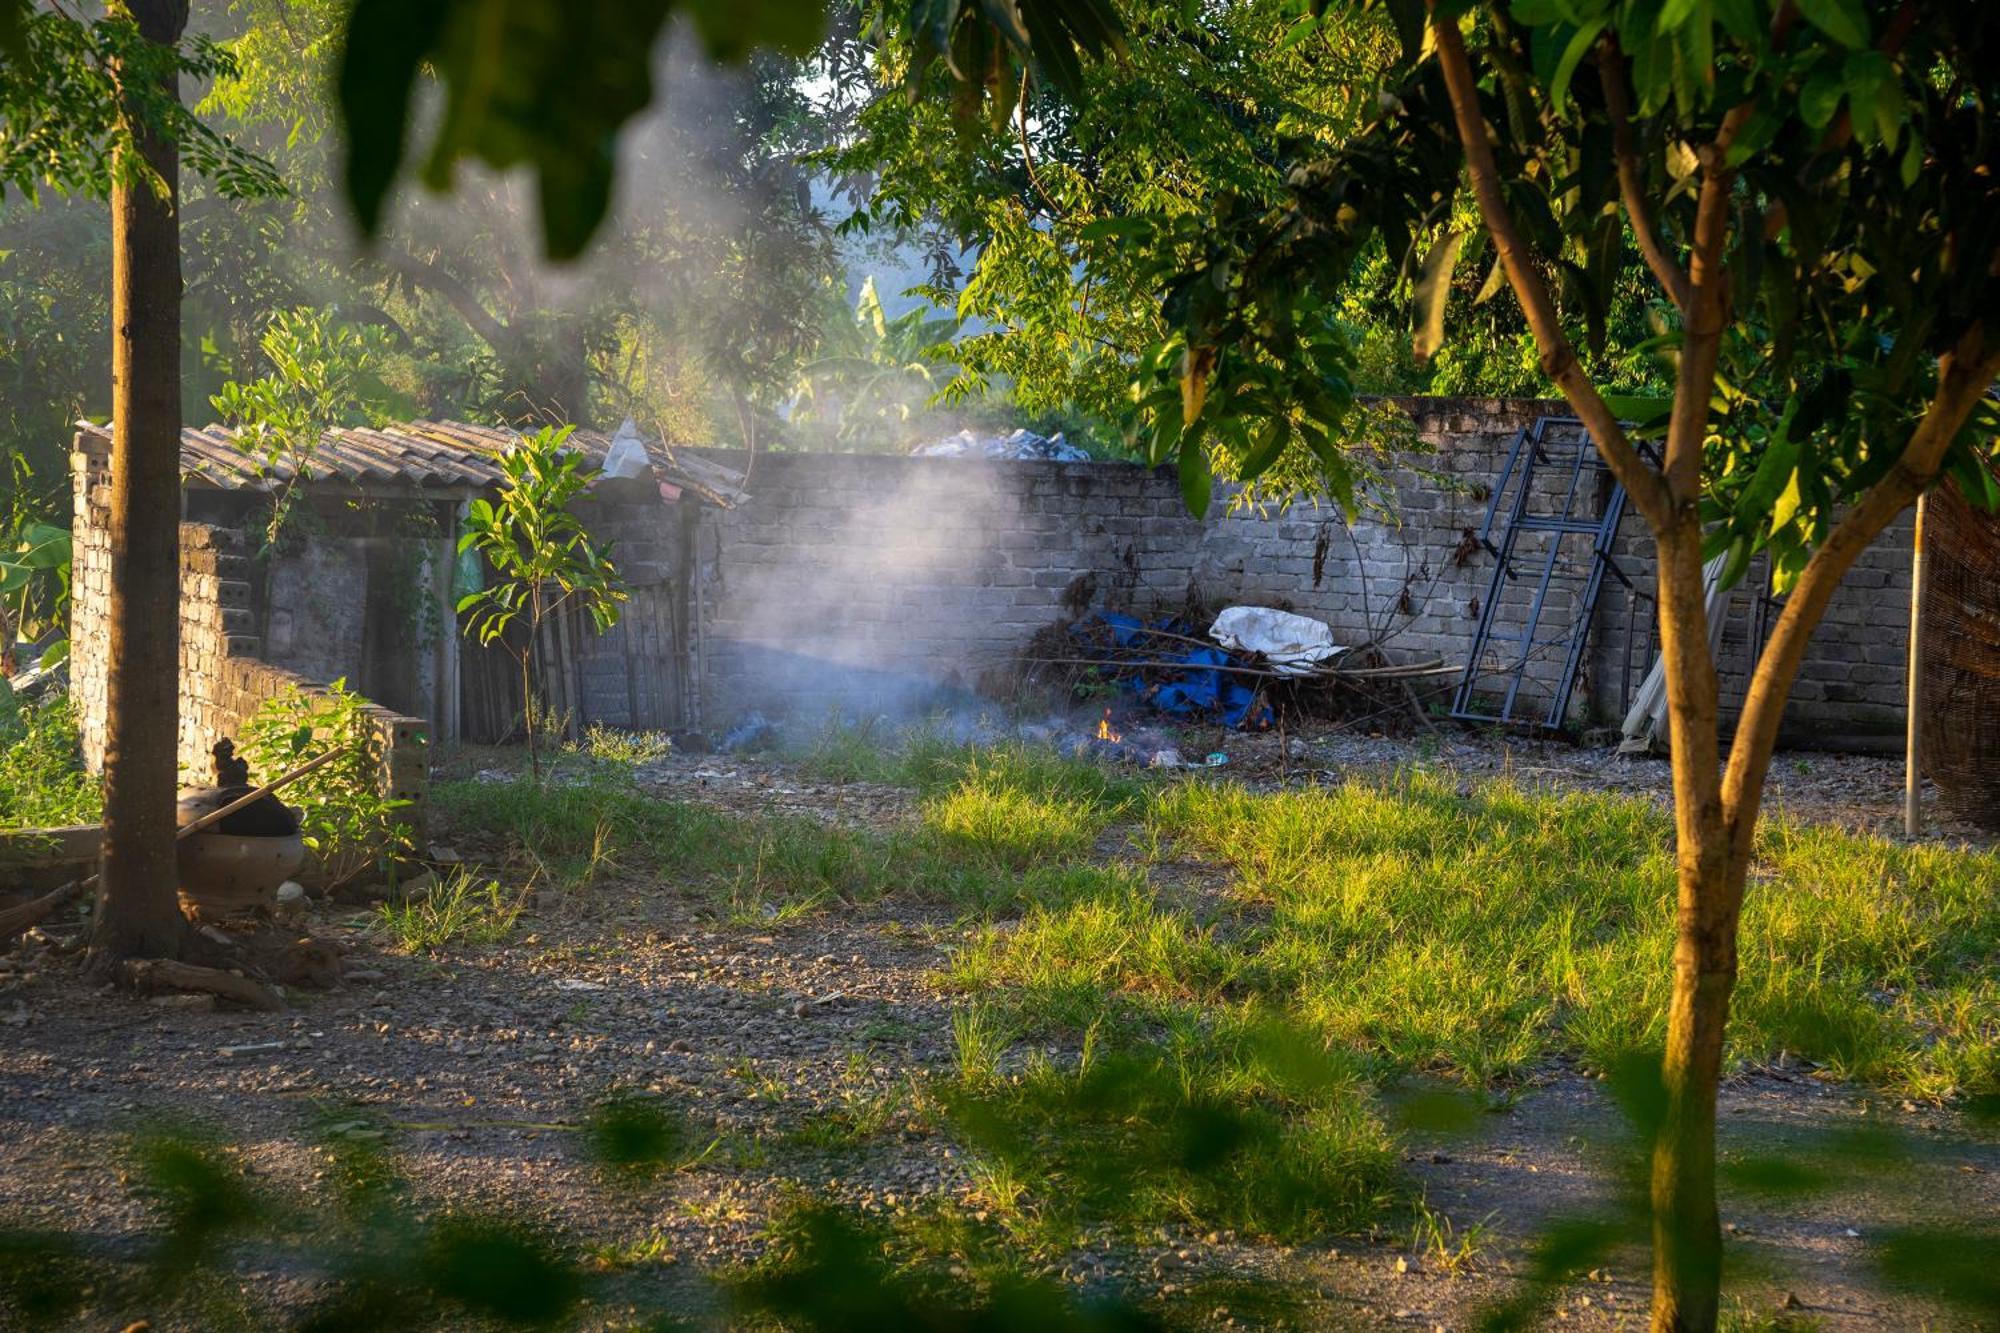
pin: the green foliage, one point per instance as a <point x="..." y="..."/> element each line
<point x="875" y="382"/>
<point x="322" y="376"/>
<point x="532" y="540"/>
<point x="349" y="824"/>
<point x="34" y="584"/>
<point x="509" y="95"/>
<point x="42" y="782"/>
<point x="62" y="117"/>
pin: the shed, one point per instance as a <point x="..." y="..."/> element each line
<point x="363" y="585"/>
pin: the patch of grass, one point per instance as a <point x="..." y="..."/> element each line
<point x="858" y="1118"/>
<point x="1004" y="828"/>
<point x="1474" y="936"/>
<point x="980" y="1037"/>
<point x="458" y="910"/>
<point x="655" y="1247"/>
<point x="1008" y="825"/>
<point x="1440" y="1244"/>
<point x="1218" y="1126"/>
<point x="627" y="749"/>
<point x="924" y="759"/>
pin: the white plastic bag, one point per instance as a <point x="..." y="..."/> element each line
<point x="627" y="455"/>
<point x="1292" y="644"/>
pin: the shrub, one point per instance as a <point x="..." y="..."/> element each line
<point x="347" y="822"/>
<point x="42" y="782"/>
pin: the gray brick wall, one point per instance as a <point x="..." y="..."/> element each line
<point x="863" y="582"/>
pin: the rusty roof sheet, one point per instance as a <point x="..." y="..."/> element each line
<point x="414" y="456"/>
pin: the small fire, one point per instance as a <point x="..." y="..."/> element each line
<point x="1104" y="731"/>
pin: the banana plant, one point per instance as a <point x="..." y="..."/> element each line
<point x="34" y="589"/>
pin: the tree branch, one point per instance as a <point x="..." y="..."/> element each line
<point x="1705" y="317"/>
<point x="1559" y="360"/>
<point x="1631" y="184"/>
<point x="1967" y="371"/>
<point x="456" y="294"/>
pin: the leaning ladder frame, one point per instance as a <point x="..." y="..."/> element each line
<point x="1527" y="452"/>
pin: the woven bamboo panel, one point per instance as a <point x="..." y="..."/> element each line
<point x="1961" y="676"/>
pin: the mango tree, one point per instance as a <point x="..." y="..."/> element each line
<point x="542" y="556"/>
<point x="1814" y="189"/>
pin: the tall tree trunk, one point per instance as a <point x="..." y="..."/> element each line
<point x="138" y="915"/>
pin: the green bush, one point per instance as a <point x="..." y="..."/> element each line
<point x="347" y="821"/>
<point x="42" y="782"/>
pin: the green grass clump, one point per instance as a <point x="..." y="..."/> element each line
<point x="626" y="749"/>
<point x="458" y="910"/>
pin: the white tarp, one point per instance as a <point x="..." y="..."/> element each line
<point x="1292" y="644"/>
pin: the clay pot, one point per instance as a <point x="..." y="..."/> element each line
<point x="226" y="874"/>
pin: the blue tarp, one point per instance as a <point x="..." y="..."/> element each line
<point x="1194" y="692"/>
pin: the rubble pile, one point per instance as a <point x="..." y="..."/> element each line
<point x="1021" y="446"/>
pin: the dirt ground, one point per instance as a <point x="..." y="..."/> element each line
<point x="476" y="1069"/>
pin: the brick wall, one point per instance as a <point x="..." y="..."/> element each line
<point x="864" y="582"/>
<point x="223" y="679"/>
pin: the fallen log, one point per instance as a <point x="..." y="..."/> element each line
<point x="155" y="975"/>
<point x="33" y="912"/>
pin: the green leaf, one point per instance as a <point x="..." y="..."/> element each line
<point x="1740" y="551"/>
<point x="1433" y="288"/>
<point x="1197" y="481"/>
<point x="1270" y="443"/>
<point x="1572" y="56"/>
<point x="1787" y="507"/>
<point x="1777" y="467"/>
<point x="13" y="37"/>
<point x="1675" y="13"/>
<point x="387" y="41"/>
<point x="1639" y="409"/>
<point x="1843" y="20"/>
<point x="1819" y="99"/>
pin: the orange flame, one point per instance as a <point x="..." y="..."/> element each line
<point x="1104" y="731"/>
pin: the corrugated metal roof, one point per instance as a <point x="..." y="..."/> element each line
<point x="415" y="456"/>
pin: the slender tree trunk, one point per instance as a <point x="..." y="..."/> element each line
<point x="138" y="915"/>
<point x="1687" y="1232"/>
<point x="527" y="681"/>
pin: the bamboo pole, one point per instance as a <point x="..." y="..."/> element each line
<point x="213" y="816"/>
<point x="1913" y="806"/>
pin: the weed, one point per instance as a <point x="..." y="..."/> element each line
<point x="979" y="1039"/>
<point x="458" y="910"/>
<point x="626" y="749"/>
<point x="615" y="1256"/>
<point x="1437" y="1241"/>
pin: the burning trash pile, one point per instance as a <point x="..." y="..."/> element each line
<point x="1114" y="741"/>
<point x="1162" y="665"/>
